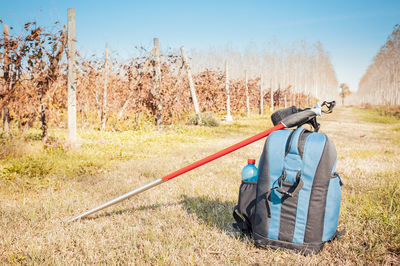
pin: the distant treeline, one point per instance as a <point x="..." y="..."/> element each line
<point x="380" y="84"/>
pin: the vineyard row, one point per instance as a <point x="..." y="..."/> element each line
<point x="35" y="77"/>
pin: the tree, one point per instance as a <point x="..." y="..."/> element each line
<point x="344" y="91"/>
<point x="380" y="83"/>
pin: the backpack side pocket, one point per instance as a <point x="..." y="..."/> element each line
<point x="244" y="211"/>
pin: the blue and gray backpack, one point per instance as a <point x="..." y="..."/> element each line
<point x="296" y="201"/>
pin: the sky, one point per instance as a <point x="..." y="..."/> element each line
<point x="351" y="31"/>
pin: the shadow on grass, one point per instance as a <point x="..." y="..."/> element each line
<point x="140" y="208"/>
<point x="213" y="212"/>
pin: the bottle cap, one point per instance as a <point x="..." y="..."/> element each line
<point x="251" y="161"/>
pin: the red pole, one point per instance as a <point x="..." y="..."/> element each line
<point x="223" y="152"/>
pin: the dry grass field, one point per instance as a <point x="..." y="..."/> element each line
<point x="187" y="220"/>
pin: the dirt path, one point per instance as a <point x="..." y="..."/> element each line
<point x="188" y="220"/>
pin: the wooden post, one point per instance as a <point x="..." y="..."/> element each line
<point x="191" y="85"/>
<point x="157" y="61"/>
<point x="271" y="97"/>
<point x="158" y="81"/>
<point x="6" y="74"/>
<point x="71" y="83"/>
<point x="285" y="100"/>
<point x="293" y="99"/>
<point x="279" y="96"/>
<point x="247" y="94"/>
<point x="104" y="109"/>
<point x="261" y="96"/>
<point x="228" y="116"/>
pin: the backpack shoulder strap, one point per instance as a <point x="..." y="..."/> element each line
<point x="293" y="146"/>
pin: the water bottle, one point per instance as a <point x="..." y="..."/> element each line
<point x="250" y="172"/>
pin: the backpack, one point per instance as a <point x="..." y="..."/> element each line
<point x="295" y="202"/>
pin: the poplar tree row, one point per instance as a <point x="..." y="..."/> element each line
<point x="380" y="84"/>
<point x="298" y="69"/>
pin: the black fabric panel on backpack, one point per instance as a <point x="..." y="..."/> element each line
<point x="289" y="204"/>
<point x="316" y="209"/>
<point x="304" y="249"/>
<point x="261" y="220"/>
<point x="288" y="213"/>
<point x="247" y="202"/>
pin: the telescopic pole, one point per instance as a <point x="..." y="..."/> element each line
<point x="288" y="121"/>
<point x="180" y="171"/>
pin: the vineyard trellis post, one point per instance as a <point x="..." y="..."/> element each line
<point x="316" y="91"/>
<point x="191" y="85"/>
<point x="285" y="100"/>
<point x="271" y="97"/>
<point x="279" y="96"/>
<point x="157" y="82"/>
<point x="71" y="83"/>
<point x="104" y="109"/>
<point x="228" y="116"/>
<point x="247" y="93"/>
<point x="293" y="98"/>
<point x="6" y="74"/>
<point x="261" y="95"/>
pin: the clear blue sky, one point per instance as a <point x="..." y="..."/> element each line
<point x="351" y="31"/>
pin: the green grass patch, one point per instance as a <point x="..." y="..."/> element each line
<point x="377" y="211"/>
<point x="382" y="119"/>
<point x="379" y="115"/>
<point x="396" y="129"/>
<point x="49" y="166"/>
<point x="26" y="162"/>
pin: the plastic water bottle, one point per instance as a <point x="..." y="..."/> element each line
<point x="250" y="171"/>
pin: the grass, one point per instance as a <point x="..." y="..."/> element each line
<point x="381" y="115"/>
<point x="187" y="220"/>
<point x="26" y="163"/>
<point x="376" y="221"/>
